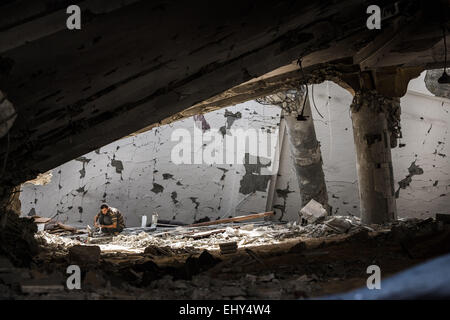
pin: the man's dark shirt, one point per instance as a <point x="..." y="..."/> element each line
<point x="111" y="216"/>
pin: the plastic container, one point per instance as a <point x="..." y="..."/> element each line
<point x="144" y="222"/>
<point x="154" y="219"/>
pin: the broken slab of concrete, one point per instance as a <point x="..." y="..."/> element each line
<point x="339" y="224"/>
<point x="313" y="212"/>
<point x="228" y="247"/>
<point x="84" y="255"/>
<point x="158" y="251"/>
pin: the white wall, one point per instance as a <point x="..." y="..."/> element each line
<point x="193" y="192"/>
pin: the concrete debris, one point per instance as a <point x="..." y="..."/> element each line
<point x="59" y="228"/>
<point x="228" y="247"/>
<point x="313" y="212"/>
<point x="84" y="255"/>
<point x="158" y="251"/>
<point x="55" y="243"/>
<point x="341" y="225"/>
<point x="162" y="271"/>
<point x="182" y="240"/>
<point x="235" y="219"/>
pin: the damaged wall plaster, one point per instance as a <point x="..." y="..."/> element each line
<point x="135" y="174"/>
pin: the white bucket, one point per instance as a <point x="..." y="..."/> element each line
<point x="144" y="222"/>
<point x="154" y="220"/>
<point x="41" y="227"/>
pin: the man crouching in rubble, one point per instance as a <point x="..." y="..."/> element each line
<point x="109" y="219"/>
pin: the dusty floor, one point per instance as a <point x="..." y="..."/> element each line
<point x="290" y="268"/>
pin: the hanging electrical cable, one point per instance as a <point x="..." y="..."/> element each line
<point x="445" y="78"/>
<point x="301" y="117"/>
<point x="314" y="102"/>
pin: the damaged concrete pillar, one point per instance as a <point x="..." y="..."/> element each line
<point x="305" y="149"/>
<point x="307" y="158"/>
<point x="372" y="136"/>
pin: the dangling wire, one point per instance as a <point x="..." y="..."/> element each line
<point x="445" y="48"/>
<point x="301" y="117"/>
<point x="314" y="102"/>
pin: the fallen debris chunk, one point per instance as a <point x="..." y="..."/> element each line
<point x="53" y="227"/>
<point x="205" y="234"/>
<point x="158" y="251"/>
<point x="38" y="219"/>
<point x="235" y="219"/>
<point x="313" y="212"/>
<point x="341" y="225"/>
<point x="228" y="247"/>
<point x="84" y="255"/>
<point x="194" y="265"/>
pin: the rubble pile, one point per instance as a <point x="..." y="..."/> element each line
<point x="192" y="240"/>
<point x="169" y="264"/>
<point x="245" y="235"/>
<point x="54" y="242"/>
<point x="247" y="286"/>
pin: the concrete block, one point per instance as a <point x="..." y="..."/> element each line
<point x="83" y="255"/>
<point x="313" y="212"/>
<point x="339" y="224"/>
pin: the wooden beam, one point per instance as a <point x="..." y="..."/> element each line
<point x="235" y="219"/>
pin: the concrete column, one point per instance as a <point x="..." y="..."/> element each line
<point x="307" y="158"/>
<point x="373" y="156"/>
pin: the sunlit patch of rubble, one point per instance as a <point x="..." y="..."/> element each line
<point x="193" y="240"/>
<point x="55" y="243"/>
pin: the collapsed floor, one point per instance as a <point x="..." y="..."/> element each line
<point x="273" y="260"/>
